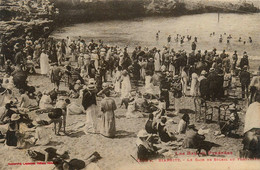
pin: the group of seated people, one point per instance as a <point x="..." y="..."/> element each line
<point x="158" y="138"/>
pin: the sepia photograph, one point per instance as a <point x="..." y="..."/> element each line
<point x="129" y="84"/>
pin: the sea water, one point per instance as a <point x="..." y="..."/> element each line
<point x="142" y="31"/>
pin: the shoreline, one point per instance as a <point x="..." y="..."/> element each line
<point x="40" y="23"/>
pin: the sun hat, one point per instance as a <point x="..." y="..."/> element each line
<point x="92" y="81"/>
<point x="203" y="72"/>
<point x="163" y="120"/>
<point x="91" y="87"/>
<point x="15" y="117"/>
<point x="175" y="77"/>
<point x="231" y="107"/>
<point x="124" y="72"/>
<point x="211" y="69"/>
<point x="203" y="131"/>
<point x="142" y="133"/>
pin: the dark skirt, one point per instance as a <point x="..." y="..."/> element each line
<point x="11" y="139"/>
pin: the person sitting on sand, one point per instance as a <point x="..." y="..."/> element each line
<point x="184" y="122"/>
<point x="164" y="134"/>
<point x="145" y="147"/>
<point x="232" y="123"/>
<point x="25" y="100"/>
<point x="78" y="86"/>
<point x="192" y="138"/>
<point x="42" y="135"/>
<point x="73" y="93"/>
<point x="11" y="138"/>
<point x="30" y="66"/>
<point x="150" y="125"/>
<point x="6" y="113"/>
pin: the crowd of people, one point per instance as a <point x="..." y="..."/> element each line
<point x="145" y="80"/>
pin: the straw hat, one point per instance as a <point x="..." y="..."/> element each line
<point x="175" y="77"/>
<point x="105" y="85"/>
<point x="78" y="82"/>
<point x="211" y="69"/>
<point x="15" y="117"/>
<point x="124" y="72"/>
<point x="91" y="87"/>
<point x="203" y="72"/>
<point x="231" y="107"/>
<point x="203" y="131"/>
<point x="142" y="133"/>
<point x="91" y="81"/>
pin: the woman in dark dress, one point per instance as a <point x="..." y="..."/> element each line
<point x="150" y="125"/>
<point x="13" y="128"/>
<point x="164" y="135"/>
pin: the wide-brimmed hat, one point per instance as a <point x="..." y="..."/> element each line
<point x="15" y="117"/>
<point x="232" y="107"/>
<point x="175" y="77"/>
<point x="91" y="87"/>
<point x="191" y="126"/>
<point x="91" y="81"/>
<point x="142" y="133"/>
<point x="163" y="118"/>
<point x="211" y="69"/>
<point x="105" y="85"/>
<point x="203" y="72"/>
<point x="124" y="72"/>
<point x="203" y="131"/>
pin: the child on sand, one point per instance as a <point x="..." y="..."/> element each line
<point x="55" y="116"/>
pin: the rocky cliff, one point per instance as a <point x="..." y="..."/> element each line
<point x="89" y="10"/>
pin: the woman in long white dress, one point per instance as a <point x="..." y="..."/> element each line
<point x="125" y="85"/>
<point x="149" y="87"/>
<point x="45" y="102"/>
<point x="44" y="63"/>
<point x="184" y="81"/>
<point x="157" y="64"/>
<point x="117" y="80"/>
<point x="194" y="84"/>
